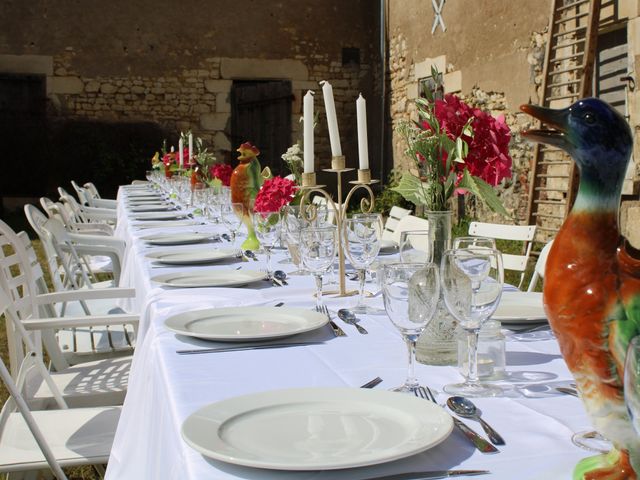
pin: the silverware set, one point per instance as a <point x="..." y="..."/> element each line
<point x="337" y="331"/>
<point x="480" y="443"/>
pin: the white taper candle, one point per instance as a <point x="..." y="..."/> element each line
<point x="332" y="120"/>
<point x="363" y="147"/>
<point x="307" y="111"/>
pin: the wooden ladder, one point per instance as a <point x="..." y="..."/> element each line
<point x="567" y="77"/>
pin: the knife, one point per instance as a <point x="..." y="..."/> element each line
<point x="479" y="442"/>
<point x="244" y="347"/>
<point x="429" y="475"/>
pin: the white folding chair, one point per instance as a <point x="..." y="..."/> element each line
<point x="108" y="332"/>
<point x="395" y="214"/>
<point x="538" y="271"/>
<point x="87" y="197"/>
<point x="409" y="222"/>
<point x="520" y="233"/>
<point x="32" y="440"/>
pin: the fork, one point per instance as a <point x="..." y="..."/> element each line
<point x="337" y="331"/>
<point x="479" y="442"/>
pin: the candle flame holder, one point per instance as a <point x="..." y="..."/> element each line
<point x="366" y="206"/>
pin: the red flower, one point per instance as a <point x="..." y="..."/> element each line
<point x="223" y="172"/>
<point x="168" y="159"/>
<point x="275" y="193"/>
<point x="488" y="156"/>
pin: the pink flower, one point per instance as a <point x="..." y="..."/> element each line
<point x="274" y="194"/>
<point x="223" y="172"/>
<point x="488" y="156"/>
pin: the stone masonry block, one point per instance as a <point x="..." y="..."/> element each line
<point x="64" y="85"/>
<point x="214" y="121"/>
<point x="222" y="103"/>
<point x="217" y="86"/>
<point x="453" y="82"/>
<point x="34" y="64"/>
<point x="423" y="69"/>
<point x="221" y="141"/>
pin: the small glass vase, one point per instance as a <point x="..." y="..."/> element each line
<point x="438" y="344"/>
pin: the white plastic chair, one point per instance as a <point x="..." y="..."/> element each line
<point x="31" y="441"/>
<point x="110" y="332"/>
<point x="409" y="222"/>
<point x="521" y="233"/>
<point x="87" y="214"/>
<point x="86" y="197"/>
<point x="538" y="271"/>
<point x="395" y="214"/>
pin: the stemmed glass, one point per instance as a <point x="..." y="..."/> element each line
<point x="632" y="382"/>
<point x="292" y="223"/>
<point x="318" y="249"/>
<point x="472" y="280"/>
<point x="267" y="227"/>
<point x="411" y="292"/>
<point x="416" y="246"/>
<point x="362" y="235"/>
<point x="231" y="215"/>
<point x="474" y="242"/>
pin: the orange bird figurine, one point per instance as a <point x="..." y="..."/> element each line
<point x="245" y="184"/>
<point x="592" y="278"/>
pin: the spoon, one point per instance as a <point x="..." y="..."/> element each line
<point x="251" y="255"/>
<point x="282" y="276"/>
<point x="347" y="316"/>
<point x="466" y="408"/>
<point x="226" y="237"/>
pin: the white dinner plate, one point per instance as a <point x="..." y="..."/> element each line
<point x="150" y="208"/>
<point x="172" y="223"/>
<point x="316" y="428"/>
<point x="191" y="257"/>
<point x="158" y="215"/>
<point x="241" y="324"/>
<point x="388" y="247"/>
<point x="520" y="307"/>
<point x="176" y="238"/>
<point x="211" y="278"/>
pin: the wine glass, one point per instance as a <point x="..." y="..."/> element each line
<point x="416" y="246"/>
<point x="318" y="249"/>
<point x="632" y="382"/>
<point x="267" y="227"/>
<point x="362" y="235"/>
<point x="474" y="242"/>
<point x="200" y="198"/>
<point x="472" y="280"/>
<point x="231" y="215"/>
<point x="292" y="223"/>
<point x="410" y="292"/>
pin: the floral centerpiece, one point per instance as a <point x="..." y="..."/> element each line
<point x="455" y="149"/>
<point x="293" y="158"/>
<point x="222" y="173"/>
<point x="275" y="193"/>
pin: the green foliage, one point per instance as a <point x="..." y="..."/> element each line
<point x="389" y="197"/>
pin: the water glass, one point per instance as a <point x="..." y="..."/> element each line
<point x="410" y="292"/>
<point x="267" y="227"/>
<point x="318" y="250"/>
<point x="472" y="281"/>
<point x="416" y="246"/>
<point x="232" y="215"/>
<point x="632" y="382"/>
<point x="362" y="234"/>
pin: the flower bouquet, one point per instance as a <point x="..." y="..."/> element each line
<point x="455" y="149"/>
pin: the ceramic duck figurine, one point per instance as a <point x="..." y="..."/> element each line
<point x="592" y="278"/>
<point x="245" y="184"/>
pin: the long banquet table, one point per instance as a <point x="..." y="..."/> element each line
<point x="165" y="388"/>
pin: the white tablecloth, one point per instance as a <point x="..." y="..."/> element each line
<point x="165" y="388"/>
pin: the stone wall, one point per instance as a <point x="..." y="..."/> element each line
<point x="129" y="62"/>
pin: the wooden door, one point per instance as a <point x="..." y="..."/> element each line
<point x="261" y="114"/>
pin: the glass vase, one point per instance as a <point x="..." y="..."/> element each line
<point x="438" y="343"/>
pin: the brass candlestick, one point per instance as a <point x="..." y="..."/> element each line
<point x="340" y="209"/>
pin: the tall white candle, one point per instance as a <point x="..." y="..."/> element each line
<point x="190" y="147"/>
<point x="363" y="147"/>
<point x="307" y="110"/>
<point x="180" y="149"/>
<point x="332" y="120"/>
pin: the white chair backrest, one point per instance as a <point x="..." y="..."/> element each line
<point x="92" y="189"/>
<point x="521" y="233"/>
<point x="541" y="263"/>
<point x="395" y="214"/>
<point x="81" y="193"/>
<point x="409" y="222"/>
<point x="73" y="207"/>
